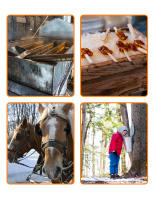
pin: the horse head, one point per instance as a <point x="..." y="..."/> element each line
<point x="21" y="141"/>
<point x="56" y="127"/>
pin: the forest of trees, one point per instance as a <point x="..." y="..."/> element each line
<point x="99" y="122"/>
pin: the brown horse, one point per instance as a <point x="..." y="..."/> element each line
<point x="56" y="128"/>
<point x="23" y="140"/>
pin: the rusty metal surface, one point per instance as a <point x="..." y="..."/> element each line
<point x="32" y="45"/>
<point x="56" y="49"/>
<point x="52" y="57"/>
<point x="36" y="50"/>
<point x="44" y="49"/>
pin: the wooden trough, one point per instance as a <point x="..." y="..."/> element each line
<point x="115" y="79"/>
<point x="40" y="64"/>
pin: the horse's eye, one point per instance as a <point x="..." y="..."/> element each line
<point x="65" y="129"/>
<point x="18" y="136"/>
<point x="38" y="130"/>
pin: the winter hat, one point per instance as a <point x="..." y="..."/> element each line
<point x="122" y="128"/>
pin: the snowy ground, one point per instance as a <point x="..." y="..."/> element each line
<point x="109" y="180"/>
<point x="18" y="173"/>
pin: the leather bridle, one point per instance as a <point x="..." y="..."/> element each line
<point x="61" y="146"/>
<point x="20" y="146"/>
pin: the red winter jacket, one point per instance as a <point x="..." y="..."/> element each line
<point x="116" y="143"/>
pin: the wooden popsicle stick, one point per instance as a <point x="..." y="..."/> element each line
<point x="88" y="58"/>
<point x="129" y="59"/>
<point x="112" y="57"/>
<point x="132" y="31"/>
<point x="142" y="50"/>
<point x="115" y="29"/>
<point x="106" y="34"/>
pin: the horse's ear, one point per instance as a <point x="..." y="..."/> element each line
<point x="67" y="107"/>
<point x="41" y="109"/>
<point x="24" y="123"/>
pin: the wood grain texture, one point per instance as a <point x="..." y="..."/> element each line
<point x="113" y="80"/>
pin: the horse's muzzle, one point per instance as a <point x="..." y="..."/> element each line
<point x="53" y="174"/>
<point x="57" y="172"/>
<point x="11" y="159"/>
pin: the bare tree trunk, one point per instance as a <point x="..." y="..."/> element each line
<point x="139" y="154"/>
<point x="124" y="114"/>
<point x="123" y="111"/>
<point x="83" y="133"/>
<point x="86" y="167"/>
<point x="83" y="127"/>
<point x="123" y="162"/>
<point x="101" y="154"/>
<point x="33" y="113"/>
<point x="104" y="156"/>
<point x="93" y="153"/>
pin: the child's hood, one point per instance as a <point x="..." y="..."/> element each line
<point x="122" y="128"/>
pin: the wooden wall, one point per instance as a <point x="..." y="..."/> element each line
<point x="24" y="26"/>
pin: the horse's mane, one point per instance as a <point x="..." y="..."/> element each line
<point x="59" y="111"/>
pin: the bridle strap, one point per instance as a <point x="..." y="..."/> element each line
<point x="61" y="146"/>
<point x="67" y="172"/>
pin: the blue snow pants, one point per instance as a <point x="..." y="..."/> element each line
<point x="114" y="161"/>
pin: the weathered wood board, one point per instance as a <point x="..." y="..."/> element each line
<point x="115" y="80"/>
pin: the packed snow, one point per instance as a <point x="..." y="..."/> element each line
<point x="93" y="41"/>
<point x="18" y="173"/>
<point x="110" y="180"/>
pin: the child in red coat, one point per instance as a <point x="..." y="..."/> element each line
<point x="115" y="150"/>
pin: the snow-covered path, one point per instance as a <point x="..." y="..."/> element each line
<point x="18" y="173"/>
<point x="109" y="180"/>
